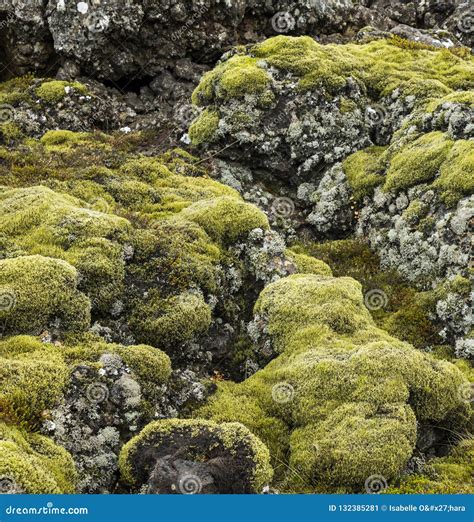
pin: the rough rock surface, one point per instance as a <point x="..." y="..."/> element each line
<point x="284" y="304"/>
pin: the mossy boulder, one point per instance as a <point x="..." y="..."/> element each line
<point x="38" y="293"/>
<point x="196" y="456"/>
<point x="226" y="219"/>
<point x="33" y="377"/>
<point x="33" y="464"/>
<point x="338" y="382"/>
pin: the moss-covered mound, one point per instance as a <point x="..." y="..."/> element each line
<point x="196" y="456"/>
<point x="33" y="464"/>
<point x="343" y="398"/>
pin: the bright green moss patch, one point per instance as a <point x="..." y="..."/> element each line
<point x="204" y="440"/>
<point x="462" y="97"/>
<point x="55" y="90"/>
<point x="37" y="292"/>
<point x="226" y="219"/>
<point x="33" y="464"/>
<point x="164" y="322"/>
<point x="33" y="376"/>
<point x="15" y="90"/>
<point x="456" y="179"/>
<point x="204" y="128"/>
<point x="236" y="77"/>
<point x="417" y="162"/>
<point x="343" y="396"/>
<point x="363" y="171"/>
<point x="307" y="264"/>
<point x="381" y="64"/>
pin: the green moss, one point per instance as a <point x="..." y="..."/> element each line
<point x="236" y="77"/>
<point x="55" y="90"/>
<point x="33" y="376"/>
<point x="346" y="105"/>
<point x="307" y="264"/>
<point x="417" y="162"/>
<point x="446" y="475"/>
<point x="456" y="179"/>
<point x="415" y="211"/>
<point x="363" y="171"/>
<point x="33" y="464"/>
<point x="149" y="364"/>
<point x="37" y="291"/>
<point x="355" y="396"/>
<point x="165" y="322"/>
<point x="381" y="64"/>
<point x="15" y="91"/>
<point x="204" y="128"/>
<point x="226" y="219"/>
<point x="461" y="97"/>
<point x="62" y="137"/>
<point x="227" y="440"/>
